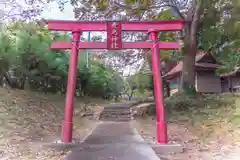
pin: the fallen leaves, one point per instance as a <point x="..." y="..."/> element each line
<point x="29" y="120"/>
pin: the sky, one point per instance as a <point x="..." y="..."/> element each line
<point x="51" y="11"/>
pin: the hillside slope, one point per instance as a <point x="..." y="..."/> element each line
<point x="208" y="126"/>
<point x="29" y="120"/>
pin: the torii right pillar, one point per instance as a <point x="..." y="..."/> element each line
<point x="161" y="125"/>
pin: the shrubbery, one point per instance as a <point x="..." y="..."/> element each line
<point x="27" y="62"/>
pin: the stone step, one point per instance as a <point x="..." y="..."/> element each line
<point x="116" y="113"/>
<point x="116" y="108"/>
<point x="111" y="115"/>
<point x="115" y="119"/>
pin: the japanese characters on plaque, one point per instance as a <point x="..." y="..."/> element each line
<point x="114" y="41"/>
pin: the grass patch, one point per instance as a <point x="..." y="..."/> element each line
<point x="209" y="116"/>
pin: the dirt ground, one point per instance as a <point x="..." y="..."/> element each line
<point x="29" y="121"/>
<point x="199" y="143"/>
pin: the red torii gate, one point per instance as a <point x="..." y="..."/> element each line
<point x="114" y="42"/>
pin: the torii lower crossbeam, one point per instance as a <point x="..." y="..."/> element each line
<point x="114" y="42"/>
<point x="125" y="45"/>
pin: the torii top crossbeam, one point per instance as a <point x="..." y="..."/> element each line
<point x="114" y="29"/>
<point x="140" y="26"/>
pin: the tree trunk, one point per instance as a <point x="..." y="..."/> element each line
<point x="1" y="80"/>
<point x="27" y="85"/>
<point x="1" y="76"/>
<point x="167" y="89"/>
<point x="130" y="95"/>
<point x="188" y="71"/>
<point x="190" y="49"/>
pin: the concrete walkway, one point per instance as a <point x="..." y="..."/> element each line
<point x="113" y="141"/>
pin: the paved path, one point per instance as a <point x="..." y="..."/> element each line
<point x="113" y="141"/>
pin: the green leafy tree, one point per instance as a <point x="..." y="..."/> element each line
<point x="27" y="62"/>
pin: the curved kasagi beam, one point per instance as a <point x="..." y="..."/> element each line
<point x="68" y="25"/>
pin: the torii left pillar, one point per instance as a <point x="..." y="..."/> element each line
<point x="67" y="123"/>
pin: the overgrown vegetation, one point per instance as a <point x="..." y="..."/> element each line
<point x="205" y="113"/>
<point x="222" y="106"/>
